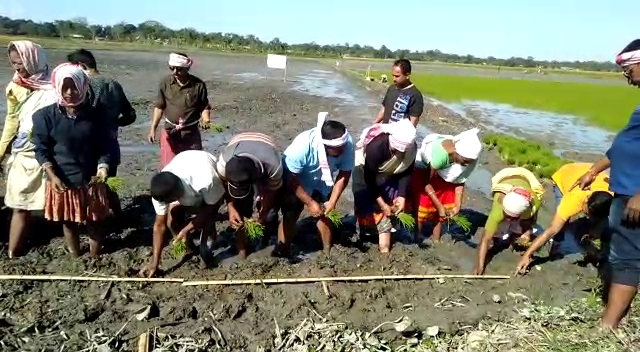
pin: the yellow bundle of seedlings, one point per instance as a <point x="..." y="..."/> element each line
<point x="253" y="228"/>
<point x="178" y="249"/>
<point x="462" y="222"/>
<point x="406" y="220"/>
<point x="114" y="184"/>
<point x="335" y="217"/>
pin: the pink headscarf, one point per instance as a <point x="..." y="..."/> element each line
<point x="629" y="58"/>
<point x="516" y="201"/>
<point x="401" y="134"/>
<point x="326" y="177"/>
<point x="80" y="79"/>
<point x="34" y="60"/>
<point x="178" y="60"/>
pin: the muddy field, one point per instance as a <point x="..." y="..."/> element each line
<point x="45" y="315"/>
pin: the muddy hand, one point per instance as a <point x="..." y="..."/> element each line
<point x="148" y="270"/>
<point x="523" y="265"/>
<point x="101" y="174"/>
<point x="583" y="182"/>
<point x="151" y="137"/>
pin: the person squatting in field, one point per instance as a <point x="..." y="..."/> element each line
<point x="184" y="101"/>
<point x="73" y="148"/>
<point x="108" y="93"/>
<point x="570" y="202"/>
<point x="384" y="160"/>
<point x="186" y="196"/>
<point x="403" y="100"/>
<point x="251" y="167"/>
<point x="309" y="163"/>
<point x="517" y="196"/>
<point x="442" y="167"/>
<point x="622" y="244"/>
<point x="30" y="89"/>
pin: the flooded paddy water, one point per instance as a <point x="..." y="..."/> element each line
<point x="247" y="97"/>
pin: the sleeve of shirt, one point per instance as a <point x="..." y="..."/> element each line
<point x="161" y="102"/>
<point x="204" y="98"/>
<point x="213" y="193"/>
<point x="103" y="144"/>
<point x="11" y="124"/>
<point x="372" y="162"/>
<point x="295" y="156"/>
<point x="416" y="105"/>
<point x="570" y="205"/>
<point x="496" y="215"/>
<point x="160" y="208"/>
<point x="274" y="180"/>
<point x="127" y="112"/>
<point x="41" y="137"/>
<point x="403" y="181"/>
<point x="348" y="157"/>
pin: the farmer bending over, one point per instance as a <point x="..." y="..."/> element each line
<point x="309" y="164"/>
<point x="251" y="167"/>
<point x="187" y="186"/>
<point x="570" y="202"/>
<point x="384" y="161"/>
<point x="516" y="201"/>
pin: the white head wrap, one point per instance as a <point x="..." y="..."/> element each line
<point x="516" y="202"/>
<point x="177" y="60"/>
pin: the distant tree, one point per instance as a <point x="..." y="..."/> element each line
<point x="154" y="32"/>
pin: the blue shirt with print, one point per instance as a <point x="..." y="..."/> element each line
<point x="301" y="158"/>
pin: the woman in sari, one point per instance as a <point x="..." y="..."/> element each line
<point x="29" y="90"/>
<point x="73" y="148"/>
<point x="517" y="195"/>
<point x="385" y="156"/>
<point x="443" y="165"/>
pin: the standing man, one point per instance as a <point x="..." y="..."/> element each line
<point x="251" y="167"/>
<point x="184" y="101"/>
<point x="403" y="100"/>
<point x="107" y="93"/>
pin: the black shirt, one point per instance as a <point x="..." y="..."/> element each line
<point x="74" y="146"/>
<point x="401" y="103"/>
<point x="378" y="152"/>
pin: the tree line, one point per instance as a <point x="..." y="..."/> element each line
<point x="153" y="32"/>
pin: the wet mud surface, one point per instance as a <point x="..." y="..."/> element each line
<point x="44" y="315"/>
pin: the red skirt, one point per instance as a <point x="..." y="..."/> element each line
<point x="422" y="204"/>
<point x="80" y="205"/>
<point x="170" y="146"/>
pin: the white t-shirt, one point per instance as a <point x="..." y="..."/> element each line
<point x="196" y="170"/>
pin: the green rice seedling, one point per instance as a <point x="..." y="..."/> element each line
<point x="178" y="249"/>
<point x="253" y="229"/>
<point x="335" y="217"/>
<point x="406" y="220"/>
<point x="216" y="128"/>
<point x="115" y="184"/>
<point x="462" y="222"/>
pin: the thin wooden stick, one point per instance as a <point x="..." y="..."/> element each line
<point x="343" y="278"/>
<point x="84" y="278"/>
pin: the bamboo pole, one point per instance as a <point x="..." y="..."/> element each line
<point x="342" y="278"/>
<point x="84" y="278"/>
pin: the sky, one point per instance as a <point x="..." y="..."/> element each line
<point x="544" y="29"/>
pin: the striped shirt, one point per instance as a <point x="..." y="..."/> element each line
<point x="262" y="150"/>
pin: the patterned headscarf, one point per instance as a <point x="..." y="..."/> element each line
<point x="80" y="79"/>
<point x="34" y="60"/>
<point x="401" y="134"/>
<point x="630" y="55"/>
